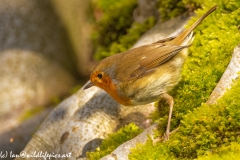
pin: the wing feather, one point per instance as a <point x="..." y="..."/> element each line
<point x="154" y="58"/>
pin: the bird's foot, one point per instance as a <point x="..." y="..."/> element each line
<point x="167" y="134"/>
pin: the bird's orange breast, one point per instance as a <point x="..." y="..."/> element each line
<point x="111" y="89"/>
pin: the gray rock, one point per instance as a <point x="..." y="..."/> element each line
<point x="34" y="26"/>
<point x="77" y="124"/>
<point x="122" y="152"/>
<point x="28" y="78"/>
<point x="231" y="73"/>
<point x="77" y="19"/>
<point x="36" y="65"/>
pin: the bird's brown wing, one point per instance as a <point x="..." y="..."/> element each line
<point x="154" y="58"/>
<point x="165" y="39"/>
<point x="140" y="61"/>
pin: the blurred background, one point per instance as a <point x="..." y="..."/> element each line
<point x="48" y="48"/>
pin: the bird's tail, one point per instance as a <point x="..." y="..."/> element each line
<point x="179" y="40"/>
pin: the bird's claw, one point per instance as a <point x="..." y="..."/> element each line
<point x="166" y="136"/>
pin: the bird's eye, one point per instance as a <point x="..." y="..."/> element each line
<point x="99" y="75"/>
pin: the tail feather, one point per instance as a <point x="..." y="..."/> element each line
<point x="188" y="40"/>
<point x="181" y="38"/>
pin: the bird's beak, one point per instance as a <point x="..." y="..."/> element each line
<point x="88" y="85"/>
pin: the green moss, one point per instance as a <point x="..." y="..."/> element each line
<point x="231" y="152"/>
<point x="151" y="151"/>
<point x="203" y="128"/>
<point x="208" y="57"/>
<point x="114" y="140"/>
<point x="213" y="127"/>
<point x="116" y="31"/>
<point x="171" y="8"/>
<point x="115" y="20"/>
<point x="125" y="41"/>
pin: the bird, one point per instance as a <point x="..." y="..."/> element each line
<point x="147" y="73"/>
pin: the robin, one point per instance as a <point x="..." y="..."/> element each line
<point x="142" y="75"/>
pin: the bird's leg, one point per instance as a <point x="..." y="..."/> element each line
<point x="169" y="100"/>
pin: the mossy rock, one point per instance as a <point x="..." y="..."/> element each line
<point x="114" y="140"/>
<point x="203" y="128"/>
